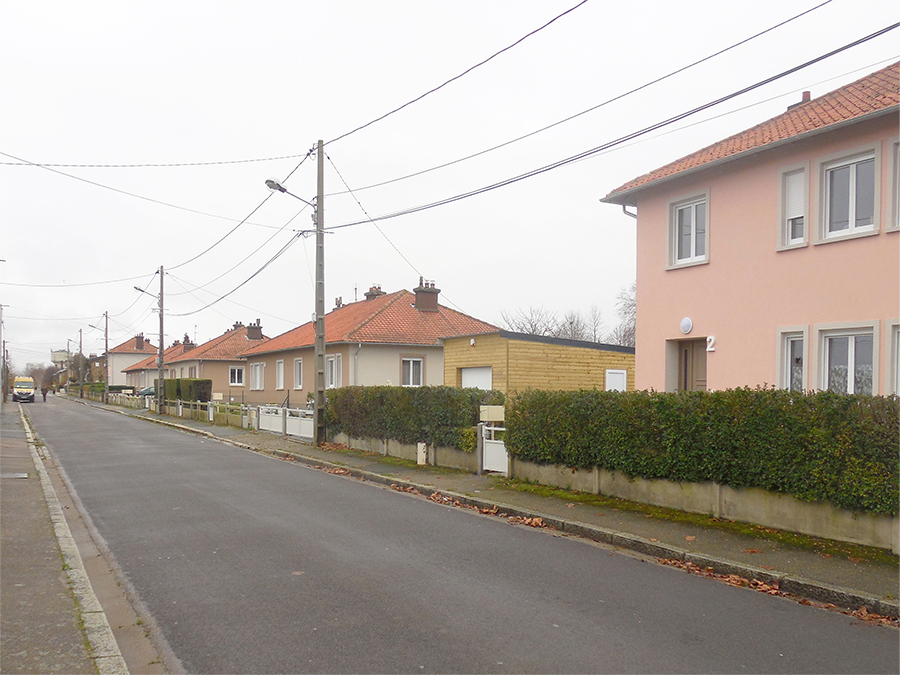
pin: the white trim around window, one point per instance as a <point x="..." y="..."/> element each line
<point x="236" y="376"/>
<point x="848" y="194"/>
<point x="791" y="358"/>
<point x="333" y="371"/>
<point x="279" y="374"/>
<point x="688" y="230"/>
<point x="893" y="216"/>
<point x="847" y="357"/>
<point x="412" y="371"/>
<point x="298" y="373"/>
<point x="258" y="376"/>
<point x="892" y="372"/>
<point x="793" y="207"/>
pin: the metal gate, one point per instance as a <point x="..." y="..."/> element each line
<point x="494" y="458"/>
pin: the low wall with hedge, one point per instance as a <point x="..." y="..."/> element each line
<point x="817" y="446"/>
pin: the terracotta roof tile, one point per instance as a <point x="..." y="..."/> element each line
<point x="225" y="347"/>
<point x="387" y="319"/>
<point x="874" y="93"/>
<point x="130" y="347"/>
<point x="150" y="362"/>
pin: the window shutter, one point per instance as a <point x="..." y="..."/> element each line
<point x="794" y="195"/>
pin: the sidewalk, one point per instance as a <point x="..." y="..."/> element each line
<point x="842" y="576"/>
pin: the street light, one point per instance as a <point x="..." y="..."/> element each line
<point x="160" y="383"/>
<point x="319" y="348"/>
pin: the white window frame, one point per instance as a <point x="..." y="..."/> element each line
<point x="616" y="373"/>
<point x="234" y="371"/>
<point x="333" y="371"/>
<point x="823" y="332"/>
<point x="411" y="360"/>
<point x="892" y="371"/>
<point x="824" y="165"/>
<point x="676" y="205"/>
<point x="893" y="222"/>
<point x="793" y="177"/>
<point x="298" y="373"/>
<point x="258" y="376"/>
<point x="786" y="335"/>
<point x="279" y="375"/>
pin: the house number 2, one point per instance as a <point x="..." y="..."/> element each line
<point x="711" y="343"/>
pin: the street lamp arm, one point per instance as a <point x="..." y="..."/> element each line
<point x="275" y="186"/>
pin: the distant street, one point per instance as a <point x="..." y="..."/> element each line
<point x="253" y="565"/>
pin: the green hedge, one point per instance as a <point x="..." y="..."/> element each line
<point x="434" y="415"/>
<point x="815" y="446"/>
<point x="187" y="389"/>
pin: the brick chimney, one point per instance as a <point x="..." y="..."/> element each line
<point x="426" y="296"/>
<point x="374" y="292"/>
<point x="139" y="342"/>
<point x="254" y="331"/>
<point x="804" y="99"/>
<point x="188" y="345"/>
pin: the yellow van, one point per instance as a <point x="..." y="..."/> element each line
<point x="23" y="389"/>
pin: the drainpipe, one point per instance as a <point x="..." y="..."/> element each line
<point x="628" y="213"/>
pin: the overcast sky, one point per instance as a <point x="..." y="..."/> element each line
<point x="209" y="85"/>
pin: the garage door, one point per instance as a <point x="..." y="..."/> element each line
<point x="479" y="378"/>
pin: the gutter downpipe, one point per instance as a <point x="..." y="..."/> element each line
<point x="628" y="213"/>
<point x="356" y="363"/>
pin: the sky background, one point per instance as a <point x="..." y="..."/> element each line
<point x="209" y="86"/>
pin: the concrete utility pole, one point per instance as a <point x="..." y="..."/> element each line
<point x="161" y="388"/>
<point x="320" y="297"/>
<point x="106" y="358"/>
<point x="80" y="364"/>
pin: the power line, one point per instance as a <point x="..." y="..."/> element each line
<point x="591" y="109"/>
<point x="462" y="74"/>
<point x="147" y="166"/>
<point x="619" y="141"/>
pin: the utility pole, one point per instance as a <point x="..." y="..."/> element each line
<point x="106" y="358"/>
<point x="320" y="297"/>
<point x="161" y="388"/>
<point x="80" y="365"/>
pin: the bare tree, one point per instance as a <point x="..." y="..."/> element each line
<point x="626" y="309"/>
<point x="571" y="327"/>
<point x="594" y="325"/>
<point x="533" y="321"/>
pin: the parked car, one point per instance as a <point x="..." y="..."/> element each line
<point x="23" y="389"/>
<point x="148" y="391"/>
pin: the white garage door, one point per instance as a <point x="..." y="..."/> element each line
<point x="479" y="378"/>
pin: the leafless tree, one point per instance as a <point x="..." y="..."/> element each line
<point x="626" y="310"/>
<point x="533" y="321"/>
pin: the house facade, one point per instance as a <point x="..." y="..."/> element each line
<point x="217" y="360"/>
<point x="386" y="339"/>
<point x="146" y="372"/>
<point x="771" y="257"/>
<point x="511" y="362"/>
<point x="127" y="354"/>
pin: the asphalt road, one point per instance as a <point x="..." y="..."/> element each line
<point x="253" y="565"/>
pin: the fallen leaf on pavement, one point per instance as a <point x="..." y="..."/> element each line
<point x="690" y="538"/>
<point x="752" y="550"/>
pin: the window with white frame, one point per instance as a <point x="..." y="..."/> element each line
<point x="236" y="376"/>
<point x="894" y="356"/>
<point x="793" y="218"/>
<point x="688" y="231"/>
<point x="257" y="376"/>
<point x="849" y="362"/>
<point x="279" y="374"/>
<point x="411" y="372"/>
<point x="894" y="221"/>
<point x="332" y="371"/>
<point x="793" y="361"/>
<point x="298" y="373"/>
<point x="849" y="196"/>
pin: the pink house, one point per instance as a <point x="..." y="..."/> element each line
<point x="773" y="256"/>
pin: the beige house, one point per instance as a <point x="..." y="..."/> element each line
<point x="511" y="362"/>
<point x="386" y="339"/>
<point x="125" y="355"/>
<point x="773" y="256"/>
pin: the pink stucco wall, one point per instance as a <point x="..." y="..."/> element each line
<point x="749" y="289"/>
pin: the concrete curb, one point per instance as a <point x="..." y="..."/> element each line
<point x="104" y="648"/>
<point x="805" y="588"/>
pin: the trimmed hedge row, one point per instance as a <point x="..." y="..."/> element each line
<point x="435" y="415"/>
<point x="187" y="389"/>
<point x="814" y="446"/>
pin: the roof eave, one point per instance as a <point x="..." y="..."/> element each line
<point x="626" y="197"/>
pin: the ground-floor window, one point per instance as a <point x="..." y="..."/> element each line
<point x="849" y="361"/>
<point x="411" y="372"/>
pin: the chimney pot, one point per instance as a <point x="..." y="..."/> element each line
<point x="426" y="296"/>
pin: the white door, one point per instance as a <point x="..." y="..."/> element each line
<point x="479" y="378"/>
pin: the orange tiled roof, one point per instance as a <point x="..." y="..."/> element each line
<point x="874" y="93"/>
<point x="386" y="319"/>
<point x="225" y="347"/>
<point x="150" y="362"/>
<point x="130" y="347"/>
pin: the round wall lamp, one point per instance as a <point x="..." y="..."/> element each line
<point x="687" y="325"/>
